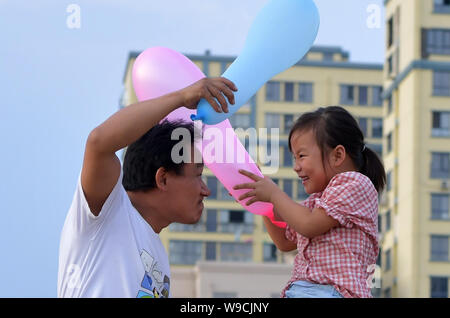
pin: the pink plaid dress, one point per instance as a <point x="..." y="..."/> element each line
<point x="343" y="256"/>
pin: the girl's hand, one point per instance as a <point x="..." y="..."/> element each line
<point x="209" y="89"/>
<point x="261" y="190"/>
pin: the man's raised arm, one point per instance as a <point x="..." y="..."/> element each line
<point x="101" y="167"/>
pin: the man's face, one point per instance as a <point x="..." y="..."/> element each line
<point x="186" y="192"/>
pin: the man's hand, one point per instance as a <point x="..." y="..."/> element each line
<point x="209" y="89"/>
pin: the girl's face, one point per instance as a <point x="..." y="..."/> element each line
<point x="308" y="161"/>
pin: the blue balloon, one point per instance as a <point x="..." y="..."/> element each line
<point x="282" y="33"/>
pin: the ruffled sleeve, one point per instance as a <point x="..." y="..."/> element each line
<point x="351" y="199"/>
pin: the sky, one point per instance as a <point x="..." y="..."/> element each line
<point x="58" y="83"/>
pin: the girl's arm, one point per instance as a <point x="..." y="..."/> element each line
<point x="278" y="236"/>
<point x="300" y="218"/>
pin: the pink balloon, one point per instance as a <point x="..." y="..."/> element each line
<point x="158" y="71"/>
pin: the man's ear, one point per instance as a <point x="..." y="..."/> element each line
<point x="338" y="155"/>
<point x="161" y="178"/>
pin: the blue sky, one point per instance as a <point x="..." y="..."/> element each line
<point x="57" y="84"/>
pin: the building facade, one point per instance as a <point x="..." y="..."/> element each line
<point x="415" y="213"/>
<point x="403" y="108"/>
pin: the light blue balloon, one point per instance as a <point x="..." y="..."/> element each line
<point x="282" y="33"/>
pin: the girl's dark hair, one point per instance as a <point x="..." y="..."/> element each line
<point x="150" y="152"/>
<point x="333" y="126"/>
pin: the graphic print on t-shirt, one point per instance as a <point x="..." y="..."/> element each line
<point x="154" y="282"/>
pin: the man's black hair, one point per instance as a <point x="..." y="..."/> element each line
<point x="150" y="152"/>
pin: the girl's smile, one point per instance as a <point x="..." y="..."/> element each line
<point x="308" y="161"/>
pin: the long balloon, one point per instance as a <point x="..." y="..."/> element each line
<point x="158" y="71"/>
<point x="281" y="34"/>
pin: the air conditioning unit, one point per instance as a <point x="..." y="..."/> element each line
<point x="445" y="184"/>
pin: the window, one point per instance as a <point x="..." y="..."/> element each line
<point x="439" y="207"/>
<point x="287" y="187"/>
<point x="377" y="92"/>
<point x="439" y="248"/>
<point x="380" y="224"/>
<point x="388" y="221"/>
<point x="328" y="56"/>
<point x="377" y="128"/>
<point x="305" y="93"/>
<point x="179" y="227"/>
<point x="185" y="252"/>
<point x="211" y="220"/>
<point x="441" y="124"/>
<point x="377" y="148"/>
<point x="240" y="252"/>
<point x="269" y="252"/>
<point x="224" y="195"/>
<point x="389" y="181"/>
<point x="289" y="92"/>
<point x="442" y="6"/>
<point x="236" y="217"/>
<point x="301" y="193"/>
<point x="272" y="120"/>
<point x="437" y="41"/>
<point x="439" y="287"/>
<point x="235" y="221"/>
<point x="211" y="182"/>
<point x="273" y="91"/>
<point x="210" y="251"/>
<point x="363" y="125"/>
<point x="379" y="257"/>
<point x="387" y="260"/>
<point x="362" y="98"/>
<point x="347" y="94"/>
<point x="390" y="30"/>
<point x="240" y="121"/>
<point x="440" y="165"/>
<point x="441" y="83"/>
<point x="287" y="157"/>
<point x="288" y="123"/>
<point x="389" y="142"/>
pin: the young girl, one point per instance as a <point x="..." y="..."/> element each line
<point x="335" y="229"/>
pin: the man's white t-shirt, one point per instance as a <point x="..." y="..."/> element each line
<point x="114" y="254"/>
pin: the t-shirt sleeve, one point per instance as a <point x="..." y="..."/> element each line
<point x="350" y="201"/>
<point x="80" y="216"/>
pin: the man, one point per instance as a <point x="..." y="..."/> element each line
<point x="110" y="245"/>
